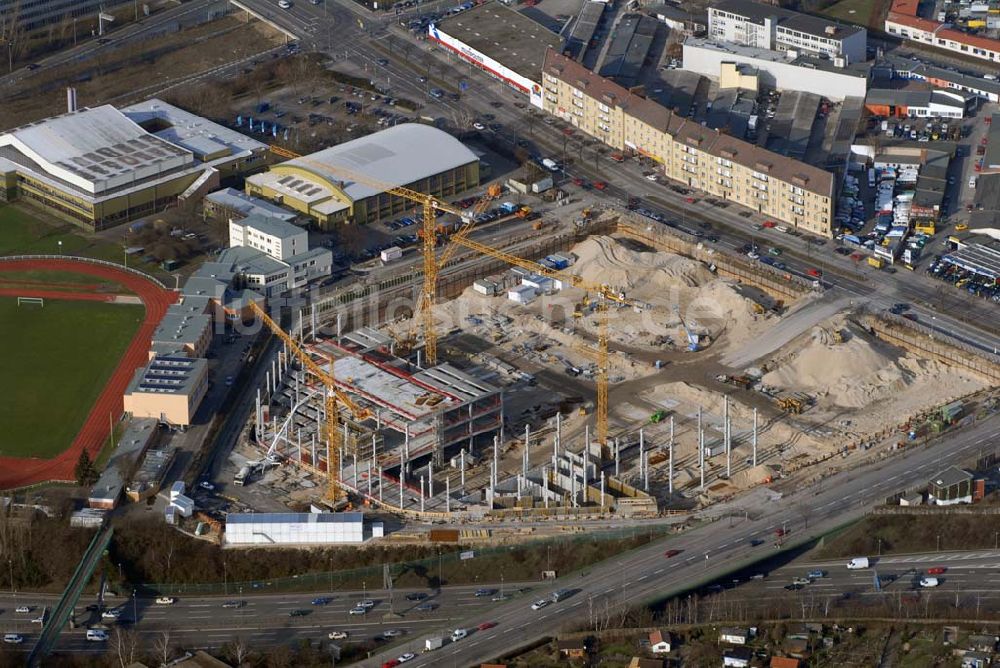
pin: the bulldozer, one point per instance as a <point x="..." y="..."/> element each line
<point x="792" y="405"/>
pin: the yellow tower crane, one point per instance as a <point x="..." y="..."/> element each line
<point x="334" y="396"/>
<point x="429" y="205"/>
<point x="605" y="295"/>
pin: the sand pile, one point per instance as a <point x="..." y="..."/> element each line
<point x="861" y="372"/>
<point x="604" y="261"/>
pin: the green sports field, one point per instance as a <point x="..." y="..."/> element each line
<point x="55" y="361"/>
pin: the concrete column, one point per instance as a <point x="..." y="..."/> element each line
<point x="369" y="477"/>
<point x="754" y="437"/>
<point x="729" y="442"/>
<point x="422" y="495"/>
<point x="381" y="483"/>
<point x="267" y="385"/>
<point x="645" y="467"/>
<point x="313" y="461"/>
<point x="496" y="461"/>
<point x="406" y="443"/>
<point x="586" y="437"/>
<point x="670" y="458"/>
<point x="340" y="327"/>
<point x="524" y="455"/>
<point x="701" y="450"/>
<point x="447" y="494"/>
<point x="356" y="481"/>
<point x="642" y="452"/>
<point x="430" y="477"/>
<point x="462" y="468"/>
<point x="602" y="490"/>
<point x="558" y="443"/>
<point x="545" y="486"/>
<point x="378" y="419"/>
<point x="401" y="492"/>
<point x="572" y="483"/>
<point x="618" y="460"/>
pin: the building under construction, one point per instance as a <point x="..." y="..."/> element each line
<point x="410" y="412"/>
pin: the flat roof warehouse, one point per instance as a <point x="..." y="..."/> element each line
<point x="503" y="34"/>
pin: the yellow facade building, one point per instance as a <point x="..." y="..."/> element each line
<point x="688" y="152"/>
<point x="320" y="185"/>
<point x="104" y="166"/>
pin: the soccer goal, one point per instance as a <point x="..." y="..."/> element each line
<point x="31" y="301"/>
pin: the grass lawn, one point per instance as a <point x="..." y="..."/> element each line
<point x="25" y="232"/>
<point x="57" y="360"/>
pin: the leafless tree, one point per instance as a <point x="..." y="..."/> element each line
<point x="124" y="644"/>
<point x="163" y="647"/>
<point x="239" y="651"/>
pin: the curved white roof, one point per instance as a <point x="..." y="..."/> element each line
<point x="397" y="156"/>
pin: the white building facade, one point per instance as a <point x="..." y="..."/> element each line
<point x="296" y="528"/>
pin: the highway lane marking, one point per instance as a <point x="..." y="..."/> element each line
<point x="658" y="571"/>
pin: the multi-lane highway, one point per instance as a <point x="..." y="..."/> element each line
<point x="707" y="552"/>
<point x="266" y="619"/>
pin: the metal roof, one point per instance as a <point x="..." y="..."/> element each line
<point x="503" y="34"/>
<point x="274" y="227"/>
<point x="248" y="204"/>
<point x="294" y="518"/>
<point x="95" y="149"/>
<point x="950" y="477"/>
<point x="397" y="156"/>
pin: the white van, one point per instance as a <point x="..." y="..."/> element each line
<point x="929" y="582"/>
<point x="12" y="639"/>
<point x="97" y="635"/>
<point x="857" y="563"/>
<point x="550" y="164"/>
<point x="972" y="182"/>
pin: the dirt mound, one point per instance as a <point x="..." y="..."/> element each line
<point x="604" y="260"/>
<point x="859" y="371"/>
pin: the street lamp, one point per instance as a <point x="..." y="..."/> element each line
<point x="60" y="246"/>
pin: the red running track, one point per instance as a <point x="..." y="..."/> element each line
<point x="21" y="471"/>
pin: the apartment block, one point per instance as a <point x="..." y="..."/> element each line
<point x="697" y="156"/>
<point x="768" y="27"/>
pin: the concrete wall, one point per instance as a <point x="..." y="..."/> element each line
<point x="780" y="75"/>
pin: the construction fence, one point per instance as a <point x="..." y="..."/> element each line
<point x="935" y="345"/>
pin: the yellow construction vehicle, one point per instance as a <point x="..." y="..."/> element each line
<point x="792" y="405"/>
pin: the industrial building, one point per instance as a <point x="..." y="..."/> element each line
<point x="169" y="389"/>
<point x="232" y="204"/>
<point x="950" y="487"/>
<point x="139" y="434"/>
<point x="919" y="102"/>
<point x="413" y="155"/>
<point x="904" y="21"/>
<point x="771" y="27"/>
<point x="690" y="153"/>
<point x="502" y="42"/>
<point x="782" y="70"/>
<point x="103" y="166"/>
<point x="148" y="477"/>
<point x="681" y="20"/>
<point x="299" y="528"/>
<point x="890" y="68"/>
<point x="628" y="49"/>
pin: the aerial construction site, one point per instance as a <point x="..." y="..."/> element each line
<point x="631" y="371"/>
